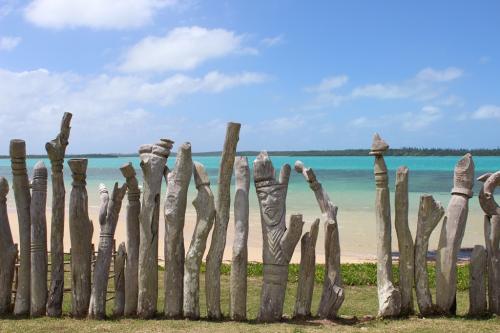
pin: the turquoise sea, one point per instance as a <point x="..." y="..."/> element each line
<point x="349" y="181"/>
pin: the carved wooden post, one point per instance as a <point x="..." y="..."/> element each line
<point x="108" y="218"/>
<point x="119" y="280"/>
<point x="452" y="233"/>
<point x="405" y="241"/>
<point x="333" y="292"/>
<point x="8" y="252"/>
<point x="223" y="205"/>
<point x="238" y="288"/>
<point x="477" y="284"/>
<point x="175" y="210"/>
<point x="492" y="237"/>
<point x="56" y="150"/>
<point x="153" y="160"/>
<point x="307" y="272"/>
<point x="80" y="231"/>
<point x="278" y="242"/>
<point x="389" y="297"/>
<point x="430" y="213"/>
<point x="38" y="241"/>
<point x="21" y="186"/>
<point x="205" y="215"/>
<point x="132" y="258"/>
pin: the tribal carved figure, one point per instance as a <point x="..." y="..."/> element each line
<point x="279" y="243"/>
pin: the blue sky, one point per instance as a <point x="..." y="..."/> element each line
<point x="296" y="74"/>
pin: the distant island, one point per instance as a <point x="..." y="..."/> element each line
<point x="341" y="152"/>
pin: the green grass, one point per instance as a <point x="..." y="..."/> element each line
<point x="357" y="313"/>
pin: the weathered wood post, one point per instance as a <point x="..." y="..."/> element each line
<point x="430" y="213"/>
<point x="279" y="243"/>
<point x="38" y="241"/>
<point x="108" y="218"/>
<point x="119" y="280"/>
<point x="477" y="282"/>
<point x="238" y="279"/>
<point x="205" y="215"/>
<point x="80" y="231"/>
<point x="21" y="187"/>
<point x="153" y="165"/>
<point x="223" y="205"/>
<point x="452" y="233"/>
<point x="492" y="237"/>
<point x="56" y="150"/>
<point x="332" y="296"/>
<point x="8" y="252"/>
<point x="405" y="241"/>
<point x="307" y="272"/>
<point x="132" y="258"/>
<point x="389" y="297"/>
<point x="175" y="210"/>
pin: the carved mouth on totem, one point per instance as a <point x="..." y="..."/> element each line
<point x="271" y="212"/>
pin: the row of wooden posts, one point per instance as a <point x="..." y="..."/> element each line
<point x="137" y="287"/>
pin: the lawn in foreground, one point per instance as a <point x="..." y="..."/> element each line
<point x="358" y="311"/>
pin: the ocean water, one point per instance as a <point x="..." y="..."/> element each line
<point x="348" y="180"/>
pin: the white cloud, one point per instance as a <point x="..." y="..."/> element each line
<point x="328" y="84"/>
<point x="95" y="14"/>
<point x="487" y="112"/>
<point x="182" y="48"/>
<point x="422" y="119"/>
<point x="273" y="41"/>
<point x="484" y="60"/>
<point x="381" y="91"/>
<point x="447" y="74"/>
<point x="6" y="7"/>
<point x="105" y="107"/>
<point x="360" y="122"/>
<point x="9" y="43"/>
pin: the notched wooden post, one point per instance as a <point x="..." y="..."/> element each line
<point x="153" y="165"/>
<point x="389" y="297"/>
<point x="108" y="218"/>
<point x="332" y="295"/>
<point x="492" y="237"/>
<point x="132" y="258"/>
<point x="238" y="279"/>
<point x="205" y="215"/>
<point x="38" y="241"/>
<point x="477" y="282"/>
<point x="307" y="272"/>
<point x="8" y="252"/>
<point x="452" y="233"/>
<point x="80" y="231"/>
<point x="430" y="213"/>
<point x="279" y="243"/>
<point x="119" y="280"/>
<point x="175" y="210"/>
<point x="21" y="187"/>
<point x="56" y="150"/>
<point x="223" y="205"/>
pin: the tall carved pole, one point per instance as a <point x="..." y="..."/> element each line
<point x="80" y="231"/>
<point x="430" y="213"/>
<point x="492" y="237"/>
<point x="307" y="272"/>
<point x="38" y="241"/>
<point x="21" y="186"/>
<point x="223" y="205"/>
<point x="8" y="252"/>
<point x="132" y="257"/>
<point x="279" y="243"/>
<point x="405" y="241"/>
<point x="332" y="296"/>
<point x="56" y="150"/>
<point x="389" y="297"/>
<point x="238" y="287"/>
<point x="477" y="281"/>
<point x="452" y="233"/>
<point x="119" y="280"/>
<point x="108" y="218"/>
<point x="205" y="215"/>
<point x="153" y="160"/>
<point x="175" y="210"/>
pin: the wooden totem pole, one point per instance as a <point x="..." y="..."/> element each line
<point x="8" y="252"/>
<point x="279" y="243"/>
